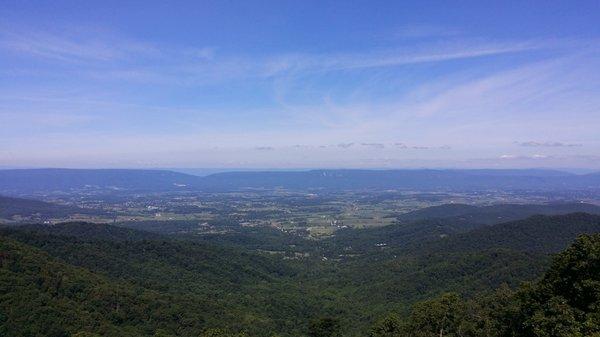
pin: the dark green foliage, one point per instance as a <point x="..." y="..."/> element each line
<point x="564" y="303"/>
<point x="11" y="207"/>
<point x="441" y="316"/>
<point x="221" y="333"/>
<point x="325" y="327"/>
<point x="193" y="286"/>
<point x="162" y="227"/>
<point x="393" y="277"/>
<point x="42" y="296"/>
<point x="252" y="238"/>
<point x="494" y="214"/>
<point x="390" y="326"/>
<point x="544" y="234"/>
<point x="96" y="279"/>
<point x="452" y="316"/>
<point x="537" y="234"/>
<point x="86" y="231"/>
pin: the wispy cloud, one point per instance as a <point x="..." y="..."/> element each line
<point x="547" y="144"/>
<point x="438" y="52"/>
<point x="520" y="157"/>
<point x="264" y="148"/>
<point x="132" y="59"/>
<point x="341" y="105"/>
<point x="374" y="145"/>
<point x="73" y="47"/>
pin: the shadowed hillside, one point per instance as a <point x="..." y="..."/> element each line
<point x="11" y="207"/>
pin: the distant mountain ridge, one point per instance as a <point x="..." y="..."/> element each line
<point x="34" y="180"/>
<point x="426" y="179"/>
<point x="48" y="180"/>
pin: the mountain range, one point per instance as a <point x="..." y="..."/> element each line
<point x="24" y="181"/>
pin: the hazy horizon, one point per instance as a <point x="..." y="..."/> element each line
<point x="204" y="171"/>
<point x="298" y="85"/>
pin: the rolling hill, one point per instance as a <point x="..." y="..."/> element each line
<point x="112" y="281"/>
<point x="84" y="231"/>
<point x="431" y="223"/>
<point x="495" y="213"/>
<point x="10" y="207"/>
<point x="405" y="271"/>
<point x="142" y="283"/>
<point x="42" y="295"/>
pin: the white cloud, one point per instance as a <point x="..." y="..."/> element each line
<point x="130" y="59"/>
<point x="547" y="144"/>
<point x="335" y="98"/>
<point x="374" y="145"/>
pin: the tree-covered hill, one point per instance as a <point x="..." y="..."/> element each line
<point x="231" y="289"/>
<point x="392" y="276"/>
<point x="11" y="207"/>
<point x="495" y="213"/>
<point x="565" y="302"/>
<point x="41" y="295"/>
<point x="429" y="225"/>
<point x="120" y="282"/>
<point x="84" y="231"/>
<point x="537" y="234"/>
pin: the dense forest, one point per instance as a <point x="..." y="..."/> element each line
<point x="11" y="207"/>
<point x="564" y="302"/>
<point x="80" y="279"/>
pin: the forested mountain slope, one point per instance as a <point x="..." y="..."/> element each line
<point x="538" y="234"/>
<point x="10" y="207"/>
<point x="229" y="288"/>
<point x="119" y="282"/>
<point x="41" y="295"/>
<point x="564" y="302"/>
<point x="447" y="220"/>
<point x="83" y="231"/>
<point x="495" y="213"/>
<point x="401" y="272"/>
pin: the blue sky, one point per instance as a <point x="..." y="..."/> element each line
<point x="300" y="84"/>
